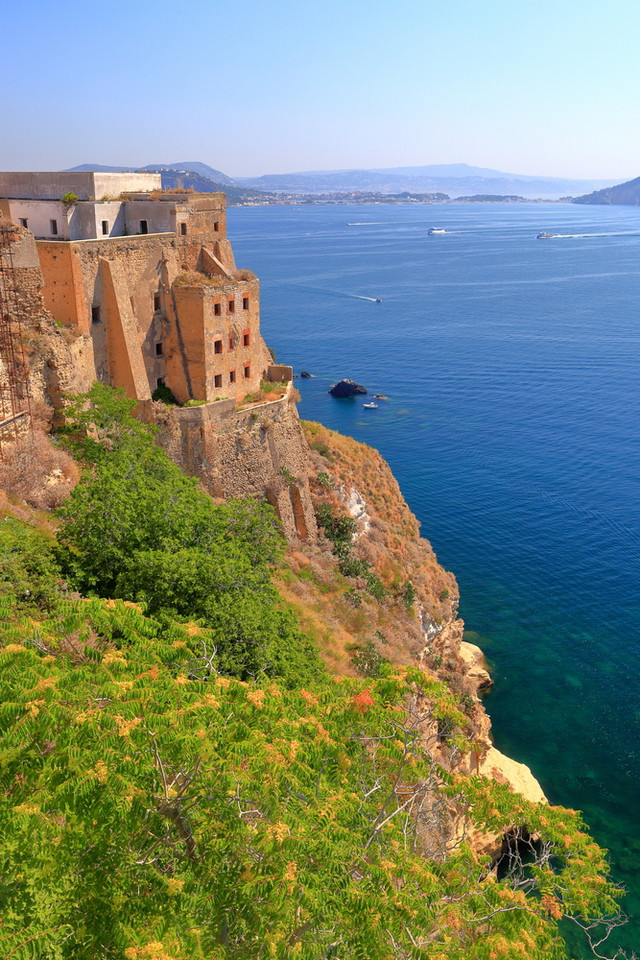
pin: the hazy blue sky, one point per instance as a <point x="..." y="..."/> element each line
<point x="527" y="86"/>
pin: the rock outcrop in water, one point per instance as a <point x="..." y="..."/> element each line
<point x="346" y="388"/>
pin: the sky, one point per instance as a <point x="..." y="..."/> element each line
<point x="536" y="87"/>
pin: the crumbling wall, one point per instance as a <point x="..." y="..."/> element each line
<point x="258" y="452"/>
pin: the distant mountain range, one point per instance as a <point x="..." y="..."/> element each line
<point x="455" y="180"/>
<point x="622" y="193"/>
<point x="190" y="176"/>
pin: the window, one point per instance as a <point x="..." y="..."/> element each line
<point x="217" y="346"/>
<point x="183" y="229"/>
<point x="157" y="302"/>
<point x="230" y="341"/>
<point x="105" y="228"/>
<point x="159" y="350"/>
<point x="247" y="371"/>
<point x="160" y="382"/>
<point x="144" y="226"/>
<point x="23" y="222"/>
<point x="216" y="226"/>
<point x="232" y="376"/>
<point x="232" y="306"/>
<point x="217" y="309"/>
<point x="217" y="380"/>
<point x="245" y="303"/>
<point x="95" y="315"/>
<point x="54" y="227"/>
<point x="246" y="339"/>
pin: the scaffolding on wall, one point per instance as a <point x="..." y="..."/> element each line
<point x="15" y="394"/>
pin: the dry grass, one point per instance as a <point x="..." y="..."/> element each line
<point x="339" y="613"/>
<point x="36" y="471"/>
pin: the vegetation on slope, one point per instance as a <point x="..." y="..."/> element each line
<point x="176" y="788"/>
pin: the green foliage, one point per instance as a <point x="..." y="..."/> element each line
<point x="339" y="528"/>
<point x="28" y="569"/>
<point x="69" y="198"/>
<point x="324" y="480"/>
<point x="137" y="528"/>
<point x="409" y="595"/>
<point x="375" y="586"/>
<point x="163" y="394"/>
<point x="368" y="662"/>
<point x="288" y="476"/>
<point x="151" y="809"/>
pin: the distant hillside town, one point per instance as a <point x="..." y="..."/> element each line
<point x="435" y="183"/>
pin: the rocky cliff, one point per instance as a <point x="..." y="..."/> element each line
<point x="366" y="586"/>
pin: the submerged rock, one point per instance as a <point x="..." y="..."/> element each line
<point x="305" y="375"/>
<point x="346" y="388"/>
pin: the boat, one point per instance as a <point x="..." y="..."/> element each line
<point x="545" y="236"/>
<point x="379" y="396"/>
<point x="370" y="406"/>
<point x="378" y="300"/>
<point x="436" y="231"/>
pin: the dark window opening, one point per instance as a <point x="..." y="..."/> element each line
<point x="183" y="229"/>
<point x="232" y="306"/>
<point x="246" y="339"/>
<point x="232" y="376"/>
<point x="217" y="346"/>
<point x="157" y="302"/>
<point x="217" y="380"/>
<point x="144" y="226"/>
<point x="159" y="350"/>
<point x="245" y="303"/>
<point x="95" y="315"/>
<point x="161" y="382"/>
<point x="105" y="227"/>
<point x="230" y="342"/>
<point x="216" y="226"/>
<point x="54" y="227"/>
<point x="23" y="222"/>
<point x="217" y="309"/>
<point x="247" y="371"/>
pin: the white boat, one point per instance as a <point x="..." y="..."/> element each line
<point x="436" y="231"/>
<point x="545" y="236"/>
<point x="370" y="406"/>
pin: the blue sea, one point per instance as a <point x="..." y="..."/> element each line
<point x="511" y="367"/>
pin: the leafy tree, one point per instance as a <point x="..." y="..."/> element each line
<point x="28" y="569"/>
<point x="137" y="528"/>
<point x="151" y="810"/>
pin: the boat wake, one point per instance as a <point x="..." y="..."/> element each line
<point x="587" y="236"/>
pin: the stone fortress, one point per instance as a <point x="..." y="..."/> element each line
<point x="144" y="291"/>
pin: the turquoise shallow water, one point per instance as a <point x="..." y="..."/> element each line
<point x="511" y="366"/>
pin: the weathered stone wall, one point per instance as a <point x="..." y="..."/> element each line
<point x="260" y="451"/>
<point x="217" y="327"/>
<point x="84" y="183"/>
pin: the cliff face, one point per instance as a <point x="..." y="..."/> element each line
<point x="382" y="596"/>
<point x="356" y="630"/>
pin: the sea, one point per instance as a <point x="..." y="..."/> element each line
<point x="510" y="364"/>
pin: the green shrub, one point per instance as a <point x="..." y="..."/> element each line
<point x="137" y="528"/>
<point x="163" y="394"/>
<point x="368" y="662"/>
